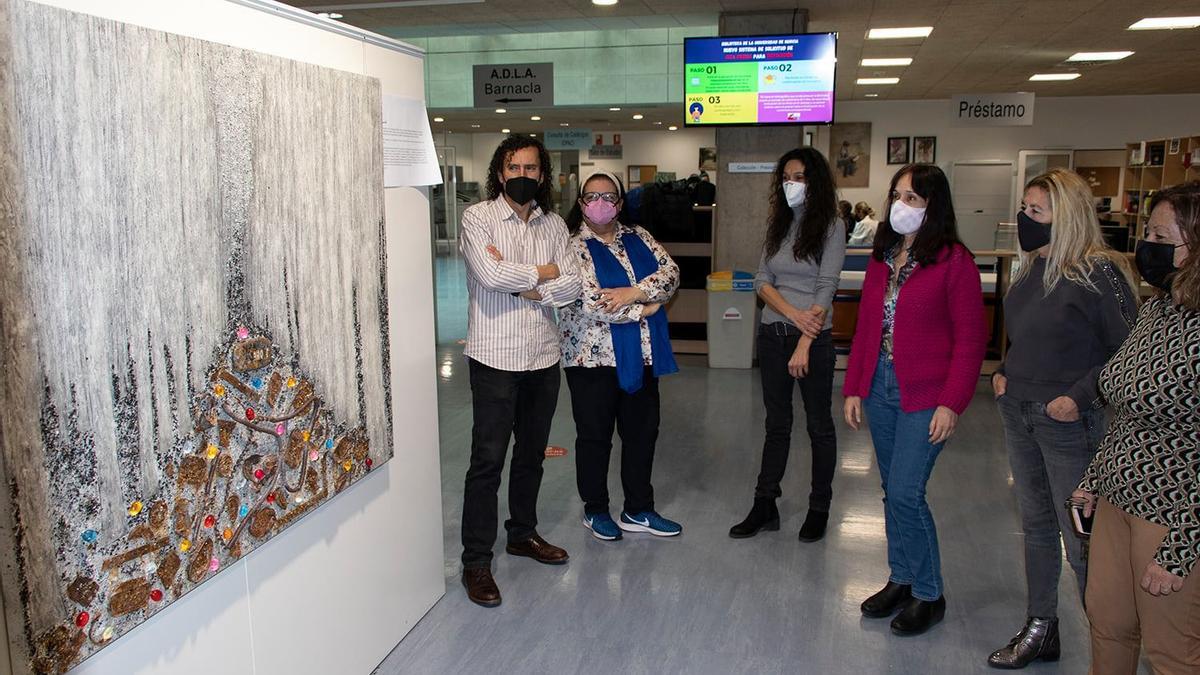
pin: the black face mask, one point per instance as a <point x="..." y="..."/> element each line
<point x="521" y="189"/>
<point x="1156" y="263"/>
<point x="1031" y="234"/>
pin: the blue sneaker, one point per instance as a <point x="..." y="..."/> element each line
<point x="602" y="526"/>
<point x="649" y="521"/>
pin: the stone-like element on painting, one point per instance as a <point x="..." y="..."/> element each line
<point x="194" y="334"/>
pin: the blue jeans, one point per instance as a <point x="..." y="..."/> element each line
<point x="905" y="457"/>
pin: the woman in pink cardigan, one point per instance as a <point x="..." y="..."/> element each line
<point x="914" y="365"/>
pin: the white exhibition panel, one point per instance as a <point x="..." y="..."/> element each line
<point x="338" y="589"/>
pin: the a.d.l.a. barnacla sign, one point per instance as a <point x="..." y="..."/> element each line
<point x="514" y="85"/>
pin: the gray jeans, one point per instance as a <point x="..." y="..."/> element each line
<point x="1048" y="458"/>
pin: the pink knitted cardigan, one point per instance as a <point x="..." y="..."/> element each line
<point x="939" y="337"/>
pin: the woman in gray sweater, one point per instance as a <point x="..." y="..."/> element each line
<point x="1070" y="306"/>
<point x="797" y="277"/>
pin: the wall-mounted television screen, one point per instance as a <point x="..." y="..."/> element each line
<point x="759" y="79"/>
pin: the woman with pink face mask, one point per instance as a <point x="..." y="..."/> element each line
<point x="614" y="349"/>
<point x="914" y="366"/>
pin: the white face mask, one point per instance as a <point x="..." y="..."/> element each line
<point x="906" y="219"/>
<point x="794" y="193"/>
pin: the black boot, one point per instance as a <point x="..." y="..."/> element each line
<point x="884" y="603"/>
<point x="814" y="525"/>
<point x="1037" y="640"/>
<point x="919" y="616"/>
<point x="764" y="516"/>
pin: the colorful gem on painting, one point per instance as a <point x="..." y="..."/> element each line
<point x="227" y="534"/>
<point x="271" y="498"/>
<point x="219" y="390"/>
<point x="250" y="414"/>
<point x="291" y="382"/>
<point x="369" y="463"/>
<point x="89" y="536"/>
<point x="184" y="545"/>
<point x="280" y="429"/>
<point x="304" y="434"/>
<point x="243" y="510"/>
<point x="329" y="443"/>
<point x="347" y="465"/>
<point x="135" y="508"/>
<point x="212" y="451"/>
<point x="209" y="521"/>
<point x="313" y="455"/>
<point x="81" y="619"/>
<point x="243" y="333"/>
<point x="213" y="564"/>
<point x="256" y="383"/>
<point x="156" y="595"/>
<point x="259" y="474"/>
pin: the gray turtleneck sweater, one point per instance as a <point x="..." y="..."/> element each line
<point x="803" y="283"/>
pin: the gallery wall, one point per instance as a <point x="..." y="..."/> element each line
<point x="337" y="590"/>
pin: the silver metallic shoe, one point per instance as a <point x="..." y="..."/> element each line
<point x="1037" y="640"/>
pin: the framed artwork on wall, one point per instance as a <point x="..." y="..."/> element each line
<point x="898" y="150"/>
<point x="850" y="151"/>
<point x="924" y="149"/>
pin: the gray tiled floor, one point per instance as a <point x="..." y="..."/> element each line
<point x="703" y="603"/>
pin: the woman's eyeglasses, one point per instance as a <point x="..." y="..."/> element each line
<point x="591" y="197"/>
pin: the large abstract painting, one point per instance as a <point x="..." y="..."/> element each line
<point x="194" y="330"/>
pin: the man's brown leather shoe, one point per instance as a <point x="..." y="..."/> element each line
<point x="481" y="587"/>
<point x="540" y="550"/>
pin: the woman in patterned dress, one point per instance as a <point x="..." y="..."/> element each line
<point x="614" y="349"/>
<point x="1142" y="484"/>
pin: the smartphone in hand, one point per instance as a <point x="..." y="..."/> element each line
<point x="1082" y="524"/>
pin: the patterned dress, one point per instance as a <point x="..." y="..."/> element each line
<point x="895" y="281"/>
<point x="1148" y="462"/>
<point x="586" y="335"/>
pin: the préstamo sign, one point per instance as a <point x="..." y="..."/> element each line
<point x="514" y="85"/>
<point x="567" y="139"/>
<point x="992" y="110"/>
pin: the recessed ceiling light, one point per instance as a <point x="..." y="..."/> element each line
<point x="877" y="80"/>
<point x="501" y="110"/>
<point x="536" y="118"/>
<point x="474" y="126"/>
<point x="672" y="128"/>
<point x="892" y="33"/>
<point x="533" y="135"/>
<point x="329" y="15"/>
<point x="638" y="116"/>
<point x="1099" y="56"/>
<point x="506" y="131"/>
<point x="1052" y="77"/>
<point x="871" y="95"/>
<point x="564" y="124"/>
<point x="614" y="109"/>
<point x="438" y="119"/>
<point x="1166" y="23"/>
<point x="604" y="3"/>
<point x="658" y="124"/>
<point x="886" y="62"/>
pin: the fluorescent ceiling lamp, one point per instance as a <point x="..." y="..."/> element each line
<point x="393" y="4"/>
<point x="871" y="95"/>
<point x="1167" y="23"/>
<point x="474" y="126"/>
<point x="438" y="119"/>
<point x="638" y="116"/>
<point x="886" y="62"/>
<point x="564" y="124"/>
<point x="501" y="110"/>
<point x="614" y="109"/>
<point x="672" y="128"/>
<point x="533" y="135"/>
<point x="604" y="3"/>
<point x="877" y="80"/>
<point x="536" y="118"/>
<point x="893" y="33"/>
<point x="1099" y="56"/>
<point x="1053" y="77"/>
<point x="329" y="15"/>
<point x="658" y="124"/>
<point x="506" y="131"/>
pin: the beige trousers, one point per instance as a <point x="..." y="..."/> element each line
<point x="1124" y="617"/>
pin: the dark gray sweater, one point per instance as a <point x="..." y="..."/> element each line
<point x="1060" y="341"/>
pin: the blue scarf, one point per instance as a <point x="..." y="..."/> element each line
<point x="627" y="337"/>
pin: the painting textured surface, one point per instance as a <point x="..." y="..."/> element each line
<point x="194" y="330"/>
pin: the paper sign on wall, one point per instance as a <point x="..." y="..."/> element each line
<point x="408" y="155"/>
<point x="567" y="139"/>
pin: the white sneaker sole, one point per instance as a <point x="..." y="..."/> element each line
<point x="633" y="527"/>
<point x="597" y="534"/>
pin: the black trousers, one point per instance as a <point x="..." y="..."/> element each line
<point x="776" y="342"/>
<point x="598" y="402"/>
<point x="505" y="404"/>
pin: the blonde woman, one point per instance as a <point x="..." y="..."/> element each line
<point x="864" y="227"/>
<point x="1069" y="308"/>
